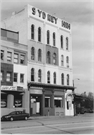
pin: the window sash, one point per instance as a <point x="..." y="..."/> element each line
<point x="22" y="59"/>
<point x="2" y="54"/>
<point x="8" y="77"/>
<point x="16" y="58"/>
<point x="9" y="56"/>
<point x="21" y="78"/>
<point x="15" y="77"/>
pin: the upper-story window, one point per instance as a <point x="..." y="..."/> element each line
<point x="62" y="79"/>
<point x="62" y="60"/>
<point x="48" y="57"/>
<point x="39" y="75"/>
<point x="32" y="53"/>
<point x="16" y="58"/>
<point x="15" y="77"/>
<point x="67" y="43"/>
<point x="2" y="76"/>
<point x="32" y="74"/>
<point x="8" y="76"/>
<point x="48" y="37"/>
<point x="21" y="78"/>
<point x="54" y="58"/>
<point x="54" y="39"/>
<point x="67" y="61"/>
<point x="32" y="31"/>
<point x="9" y="56"/>
<point x="2" y="54"/>
<point x="39" y="55"/>
<point x="61" y="40"/>
<point x="54" y="77"/>
<point x="39" y="34"/>
<point x="22" y="59"/>
<point x="48" y="77"/>
<point x="67" y="79"/>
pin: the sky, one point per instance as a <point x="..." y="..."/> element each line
<point x="80" y="14"/>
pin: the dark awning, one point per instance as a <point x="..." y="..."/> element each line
<point x="43" y="85"/>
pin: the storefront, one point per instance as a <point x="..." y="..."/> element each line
<point x="11" y="99"/>
<point x="48" y="99"/>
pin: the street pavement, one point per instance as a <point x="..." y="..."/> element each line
<point x="80" y="124"/>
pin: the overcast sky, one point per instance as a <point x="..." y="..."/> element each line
<point x="80" y="14"/>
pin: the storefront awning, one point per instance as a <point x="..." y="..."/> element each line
<point x="32" y="84"/>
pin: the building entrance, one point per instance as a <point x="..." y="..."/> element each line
<point x="35" y="105"/>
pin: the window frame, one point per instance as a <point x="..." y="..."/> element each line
<point x="48" y="57"/>
<point x="48" y="37"/>
<point x="48" y="77"/>
<point x="62" y="60"/>
<point x="39" y="75"/>
<point x="32" y="31"/>
<point x="61" y="41"/>
<point x="62" y="79"/>
<point x="39" y="34"/>
<point x="32" y="74"/>
<point x="39" y="55"/>
<point x="67" y="43"/>
<point x="22" y="79"/>
<point x="54" y="58"/>
<point x="15" y="77"/>
<point x="8" y="77"/>
<point x="16" y="58"/>
<point x="2" y="54"/>
<point x="9" y="58"/>
<point x="32" y="53"/>
<point x="21" y="55"/>
<point x="68" y="79"/>
<point x="54" y="39"/>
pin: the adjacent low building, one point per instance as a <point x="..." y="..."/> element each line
<point x="13" y="72"/>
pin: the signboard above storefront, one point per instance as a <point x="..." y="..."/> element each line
<point x="8" y="88"/>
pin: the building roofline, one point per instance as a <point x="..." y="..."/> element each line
<point x="9" y="30"/>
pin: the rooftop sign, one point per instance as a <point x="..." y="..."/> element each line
<point x="49" y="18"/>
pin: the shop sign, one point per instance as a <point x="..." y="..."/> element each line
<point x="18" y="103"/>
<point x="50" y="18"/>
<point x="8" y="88"/>
<point x="3" y="103"/>
<point x="69" y="97"/>
<point x="36" y="91"/>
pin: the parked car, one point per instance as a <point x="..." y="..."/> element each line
<point x="15" y="115"/>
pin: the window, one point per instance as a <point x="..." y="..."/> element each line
<point x="39" y="34"/>
<point x="2" y="54"/>
<point x="22" y="59"/>
<point x="67" y="79"/>
<point x="2" y="76"/>
<point x="48" y="57"/>
<point x="3" y="100"/>
<point x="17" y="100"/>
<point x="67" y="43"/>
<point x="32" y="53"/>
<point x="61" y="39"/>
<point x="62" y="60"/>
<point x="67" y="61"/>
<point x="47" y="101"/>
<point x="9" y="56"/>
<point x="8" y="77"/>
<point x="54" y="39"/>
<point x="21" y="78"/>
<point x="32" y="74"/>
<point x="32" y="31"/>
<point x="39" y="75"/>
<point x="58" y="101"/>
<point x="39" y="55"/>
<point x="54" y="58"/>
<point x="48" y="77"/>
<point x="62" y="79"/>
<point x="16" y="58"/>
<point x="54" y="77"/>
<point x="48" y="37"/>
<point x="15" y="77"/>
